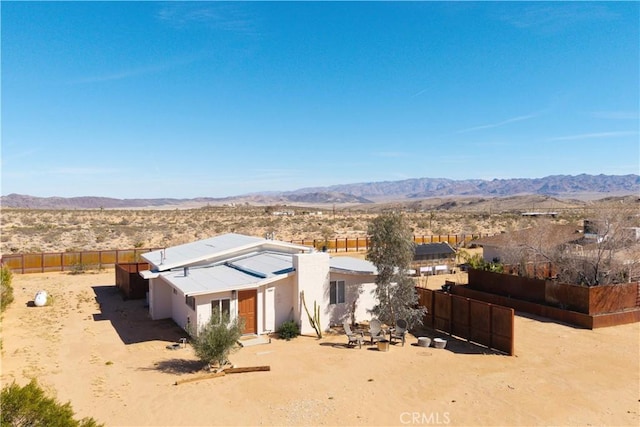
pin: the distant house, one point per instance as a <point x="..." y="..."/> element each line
<point x="436" y="252"/>
<point x="258" y="280"/>
<point x="433" y="258"/>
<point x="502" y="246"/>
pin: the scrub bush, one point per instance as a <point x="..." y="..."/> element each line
<point x="288" y="330"/>
<point x="29" y="406"/>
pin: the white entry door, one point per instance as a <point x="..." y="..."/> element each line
<point x="270" y="309"/>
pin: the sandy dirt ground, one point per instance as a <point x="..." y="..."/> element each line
<point x="110" y="361"/>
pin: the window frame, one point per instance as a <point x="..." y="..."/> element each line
<point x="337" y="293"/>
<point x="190" y="301"/>
<point x="221" y="303"/>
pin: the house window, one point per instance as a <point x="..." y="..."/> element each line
<point x="336" y="292"/>
<point x="190" y="301"/>
<point x="223" y="306"/>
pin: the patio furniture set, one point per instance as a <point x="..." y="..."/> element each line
<point x="377" y="333"/>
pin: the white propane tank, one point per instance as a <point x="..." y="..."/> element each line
<point x="40" y="300"/>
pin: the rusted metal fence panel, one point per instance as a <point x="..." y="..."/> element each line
<point x="476" y="321"/>
<point x="502" y="328"/>
<point x="442" y="312"/>
<point x="591" y="300"/>
<point x="481" y="330"/>
<point x="129" y="281"/>
<point x="460" y="316"/>
<point x="425" y="299"/>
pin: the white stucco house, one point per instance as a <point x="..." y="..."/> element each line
<point x="259" y="280"/>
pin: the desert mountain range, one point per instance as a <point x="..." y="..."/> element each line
<point x="566" y="186"/>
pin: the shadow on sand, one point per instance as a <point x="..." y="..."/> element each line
<point x="177" y="366"/>
<point x="454" y="344"/>
<point x="130" y="318"/>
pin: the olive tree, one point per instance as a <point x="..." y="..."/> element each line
<point x="391" y="250"/>
<point x="217" y="339"/>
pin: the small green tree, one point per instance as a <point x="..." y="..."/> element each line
<point x="217" y="339"/>
<point x="6" y="290"/>
<point x="29" y="406"/>
<point x="391" y="250"/>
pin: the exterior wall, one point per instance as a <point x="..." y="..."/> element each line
<point x="181" y="313"/>
<point x="279" y="305"/>
<point x="312" y="277"/>
<point x="203" y="307"/>
<point x="271" y="311"/>
<point x="159" y="299"/>
<point x="366" y="301"/>
<point x="359" y="298"/>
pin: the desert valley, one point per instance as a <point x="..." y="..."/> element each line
<point x="111" y="362"/>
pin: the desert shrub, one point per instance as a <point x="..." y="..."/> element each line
<point x="288" y="330"/>
<point x="217" y="339"/>
<point x="6" y="290"/>
<point x="78" y="268"/>
<point x="29" y="406"/>
<point x="477" y="262"/>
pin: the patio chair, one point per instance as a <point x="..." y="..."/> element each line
<point x="375" y="330"/>
<point x="354" y="337"/>
<point x="399" y="332"/>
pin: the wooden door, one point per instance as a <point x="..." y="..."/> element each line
<point x="247" y="310"/>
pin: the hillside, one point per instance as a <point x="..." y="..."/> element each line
<point x="562" y="186"/>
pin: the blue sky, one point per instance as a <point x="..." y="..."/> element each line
<point x="181" y="99"/>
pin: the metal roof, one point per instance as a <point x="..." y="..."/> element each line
<point x="249" y="271"/>
<point x="213" y="249"/>
<point x="352" y="265"/>
<point x="264" y="264"/>
<point x="434" y="249"/>
<point x="233" y="261"/>
<point x="208" y="280"/>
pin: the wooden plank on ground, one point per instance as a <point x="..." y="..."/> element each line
<point x="224" y="372"/>
<point x="200" y="377"/>
<point x="247" y="369"/>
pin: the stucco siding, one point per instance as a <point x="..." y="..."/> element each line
<point x="180" y="311"/>
<point x="359" y="298"/>
<point x="312" y="277"/>
<point x="203" y="306"/>
<point x="278" y="304"/>
<point x="159" y="299"/>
